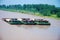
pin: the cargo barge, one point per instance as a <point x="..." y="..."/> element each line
<point x="26" y="21"/>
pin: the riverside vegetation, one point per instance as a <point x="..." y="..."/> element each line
<point x="35" y="9"/>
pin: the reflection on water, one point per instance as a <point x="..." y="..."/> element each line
<point x="34" y="26"/>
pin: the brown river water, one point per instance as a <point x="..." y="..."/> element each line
<point x="28" y="32"/>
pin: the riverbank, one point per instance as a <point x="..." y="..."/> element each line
<point x="31" y="13"/>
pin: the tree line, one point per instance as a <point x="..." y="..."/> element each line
<point x="44" y="9"/>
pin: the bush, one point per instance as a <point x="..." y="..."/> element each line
<point x="58" y="14"/>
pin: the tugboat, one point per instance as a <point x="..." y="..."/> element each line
<point x="26" y="21"/>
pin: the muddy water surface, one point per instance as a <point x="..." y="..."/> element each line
<point x="28" y="32"/>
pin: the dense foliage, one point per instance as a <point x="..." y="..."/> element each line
<point x="44" y="9"/>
